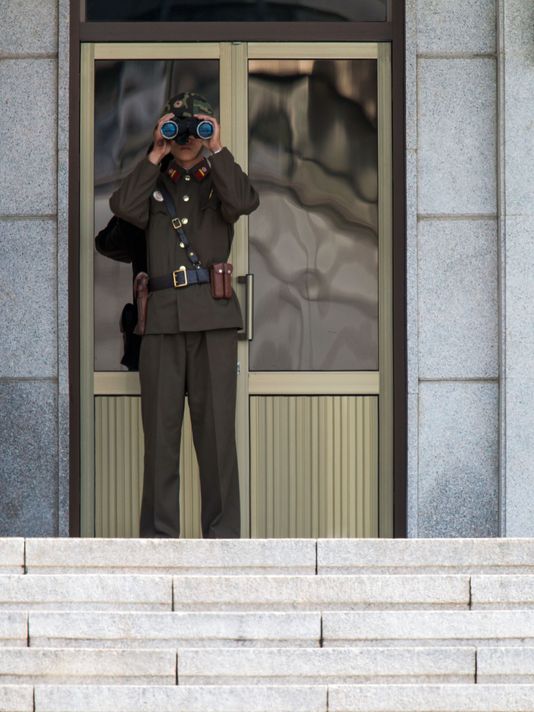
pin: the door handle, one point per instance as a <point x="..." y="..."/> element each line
<point x="248" y="281"/>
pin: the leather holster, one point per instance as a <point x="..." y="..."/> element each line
<point x="141" y="300"/>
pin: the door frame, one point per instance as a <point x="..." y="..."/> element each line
<point x="391" y="32"/>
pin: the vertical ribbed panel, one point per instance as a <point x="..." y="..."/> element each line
<point x="119" y="455"/>
<point x="314" y="466"/>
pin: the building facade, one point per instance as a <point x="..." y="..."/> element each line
<point x="448" y="103"/>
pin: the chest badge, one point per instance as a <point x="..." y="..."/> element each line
<point x="157" y="196"/>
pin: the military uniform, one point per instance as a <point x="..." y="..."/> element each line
<point x="190" y="340"/>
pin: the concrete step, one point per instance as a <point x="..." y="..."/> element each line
<point x="269" y="556"/>
<point x="91" y="591"/>
<point x="424" y="665"/>
<point x="12" y="555"/>
<point x="264" y="629"/>
<point x="226" y="666"/>
<point x="275" y="593"/>
<point x="170" y="556"/>
<point x="319" y="593"/>
<point x="13" y="629"/>
<point x="510" y="665"/>
<point x="325" y="666"/>
<point x="150" y="592"/>
<point x="16" y="698"/>
<point x="139" y="698"/>
<point x="173" y="630"/>
<point x="354" y="592"/>
<point x="82" y="666"/>
<point x="259" y="698"/>
<point x="509" y="592"/>
<point x="474" y="627"/>
<point x="413" y="556"/>
<point x="431" y="698"/>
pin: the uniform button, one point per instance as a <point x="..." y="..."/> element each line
<point x="188" y="177"/>
<point x="185" y="221"/>
<point x="186" y="198"/>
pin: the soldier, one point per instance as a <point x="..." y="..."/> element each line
<point x="189" y="344"/>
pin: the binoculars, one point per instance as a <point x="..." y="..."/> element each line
<point x="180" y="129"/>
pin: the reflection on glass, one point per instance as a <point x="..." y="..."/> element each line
<point x="237" y="10"/>
<point x="313" y="242"/>
<point x="129" y="96"/>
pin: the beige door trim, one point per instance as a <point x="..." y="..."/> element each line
<point x="313" y="50"/>
<point x="87" y="434"/>
<point x="234" y="133"/>
<point x="385" y="291"/>
<point x="151" y="50"/>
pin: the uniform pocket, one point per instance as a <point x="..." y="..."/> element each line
<point x="157" y="208"/>
<point x="212" y="202"/>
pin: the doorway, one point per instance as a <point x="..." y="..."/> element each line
<point x="311" y="124"/>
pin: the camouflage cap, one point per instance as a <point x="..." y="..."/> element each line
<point x="188" y="103"/>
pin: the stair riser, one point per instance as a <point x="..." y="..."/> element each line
<point x="438" y="698"/>
<point x="379" y="629"/>
<point x="323" y="666"/>
<point x="429" y="627"/>
<point x="301" y="556"/>
<point x="363" y="698"/>
<point x="175" y="629"/>
<point x="172" y="556"/>
<point x="275" y="593"/>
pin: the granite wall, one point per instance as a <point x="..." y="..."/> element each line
<point x="33" y="271"/>
<point x="470" y="85"/>
<point x="516" y="231"/>
<point x="453" y="307"/>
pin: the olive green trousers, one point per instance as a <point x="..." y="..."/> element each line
<point x="203" y="365"/>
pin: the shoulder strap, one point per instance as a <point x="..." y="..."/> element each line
<point x="177" y="225"/>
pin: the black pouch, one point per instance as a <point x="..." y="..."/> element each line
<point x="131" y="341"/>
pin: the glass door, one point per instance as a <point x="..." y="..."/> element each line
<point x="311" y="125"/>
<point x="124" y="87"/>
<point x="319" y="252"/>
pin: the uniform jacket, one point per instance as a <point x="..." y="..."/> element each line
<point x="211" y="204"/>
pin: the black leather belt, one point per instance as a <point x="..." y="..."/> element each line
<point x="181" y="277"/>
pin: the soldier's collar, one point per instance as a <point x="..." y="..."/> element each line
<point x="199" y="171"/>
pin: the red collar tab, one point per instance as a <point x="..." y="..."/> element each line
<point x="201" y="172"/>
<point x="174" y="173"/>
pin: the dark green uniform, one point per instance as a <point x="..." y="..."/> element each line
<point x="190" y="340"/>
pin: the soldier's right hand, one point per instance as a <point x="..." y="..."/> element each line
<point x="161" y="146"/>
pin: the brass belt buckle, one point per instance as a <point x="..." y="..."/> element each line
<point x="175" y="277"/>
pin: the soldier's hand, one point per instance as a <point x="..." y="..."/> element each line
<point x="213" y="143"/>
<point x="161" y="146"/>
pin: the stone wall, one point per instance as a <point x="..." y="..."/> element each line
<point x="33" y="351"/>
<point x="453" y="311"/>
<point x="470" y="87"/>
<point x="516" y="198"/>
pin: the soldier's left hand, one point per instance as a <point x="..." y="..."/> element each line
<point x="213" y="143"/>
